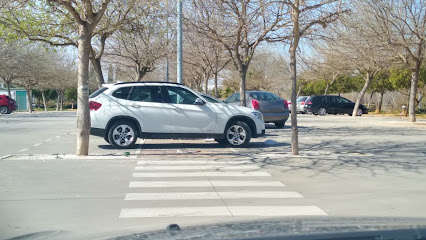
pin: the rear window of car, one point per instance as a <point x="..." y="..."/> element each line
<point x="122" y="93"/>
<point x="264" y="96"/>
<point x="301" y="99"/>
<point x="97" y="92"/>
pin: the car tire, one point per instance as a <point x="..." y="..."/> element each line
<point x="237" y="134"/>
<point x="279" y="124"/>
<point x="4" y="110"/>
<point x="359" y="112"/>
<point x="121" y="140"/>
<point x="322" y="111"/>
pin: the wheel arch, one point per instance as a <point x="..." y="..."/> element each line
<point x="125" y="118"/>
<point x="245" y="119"/>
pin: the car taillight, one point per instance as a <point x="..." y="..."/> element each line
<point x="302" y="103"/>
<point x="309" y="103"/>
<point x="286" y="104"/>
<point x="255" y="104"/>
<point x="94" y="105"/>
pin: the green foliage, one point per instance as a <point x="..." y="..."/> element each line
<point x="71" y="94"/>
<point x="381" y="82"/>
<point x="225" y="93"/>
<point x="343" y="84"/>
<point x="314" y="88"/>
<point x="400" y="78"/>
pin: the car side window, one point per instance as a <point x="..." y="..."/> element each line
<point x="122" y="93"/>
<point x="146" y="94"/>
<point x="324" y="99"/>
<point x="179" y="95"/>
<point x="342" y="100"/>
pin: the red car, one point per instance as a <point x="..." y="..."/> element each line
<point x="7" y="104"/>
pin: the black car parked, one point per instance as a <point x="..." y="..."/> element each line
<point x="322" y="105"/>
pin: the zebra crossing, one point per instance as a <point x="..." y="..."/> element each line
<point x="208" y="188"/>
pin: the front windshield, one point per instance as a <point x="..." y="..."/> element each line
<point x="152" y="150"/>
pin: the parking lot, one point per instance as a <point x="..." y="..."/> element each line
<point x="364" y="166"/>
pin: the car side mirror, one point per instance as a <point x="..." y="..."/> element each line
<point x="199" y="101"/>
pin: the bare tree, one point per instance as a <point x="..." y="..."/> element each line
<point x="142" y="43"/>
<point x="239" y="26"/>
<point x="12" y="62"/>
<point x="305" y="16"/>
<point x="400" y="25"/>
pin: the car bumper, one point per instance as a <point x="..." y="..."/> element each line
<point x="275" y="117"/>
<point x="97" y="132"/>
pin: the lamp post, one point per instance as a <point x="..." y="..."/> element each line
<point x="179" y="42"/>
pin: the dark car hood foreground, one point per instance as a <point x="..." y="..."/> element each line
<point x="323" y="228"/>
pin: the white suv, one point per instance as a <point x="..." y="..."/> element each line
<point x="122" y="112"/>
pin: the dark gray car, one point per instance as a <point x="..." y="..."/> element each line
<point x="274" y="109"/>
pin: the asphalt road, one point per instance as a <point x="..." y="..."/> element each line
<point x="350" y="167"/>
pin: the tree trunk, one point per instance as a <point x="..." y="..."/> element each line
<point x="326" y="88"/>
<point x="8" y="83"/>
<point x="415" y="72"/>
<point x="29" y="102"/>
<point x="72" y="106"/>
<point x="293" y="71"/>
<point x="83" y="112"/>
<point x="96" y="63"/>
<point x="331" y="83"/>
<point x="369" y="100"/>
<point x="379" y="104"/>
<point x="368" y="80"/>
<point x="216" y="90"/>
<point x="58" y="99"/>
<point x="140" y="75"/>
<point x="243" y="75"/>
<point x="206" y="83"/>
<point x="294" y="129"/>
<point x="215" y="76"/>
<point x="44" y="100"/>
<point x="61" y="105"/>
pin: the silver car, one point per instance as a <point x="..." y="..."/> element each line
<point x="274" y="109"/>
<point x="300" y="106"/>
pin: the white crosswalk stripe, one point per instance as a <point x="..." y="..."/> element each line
<point x="205" y="188"/>
<point x="201" y="174"/>
<point x="191" y="167"/>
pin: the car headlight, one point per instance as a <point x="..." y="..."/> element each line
<point x="258" y="115"/>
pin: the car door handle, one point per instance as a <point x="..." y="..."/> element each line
<point x="136" y="106"/>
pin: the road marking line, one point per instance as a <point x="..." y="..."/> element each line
<point x="57" y="136"/>
<point x="183" y="162"/>
<point x="38" y="144"/>
<point x="163" y="184"/>
<point x="48" y="140"/>
<point x="174" y="212"/>
<point x="262" y="195"/>
<point x="23" y="150"/>
<point x="171" y="196"/>
<point x="201" y="174"/>
<point x="276" y="211"/>
<point x="224" y="167"/>
<point x="257" y="211"/>
<point x="247" y="183"/>
<point x="210" y="195"/>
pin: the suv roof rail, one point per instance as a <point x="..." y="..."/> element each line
<point x="147" y="82"/>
